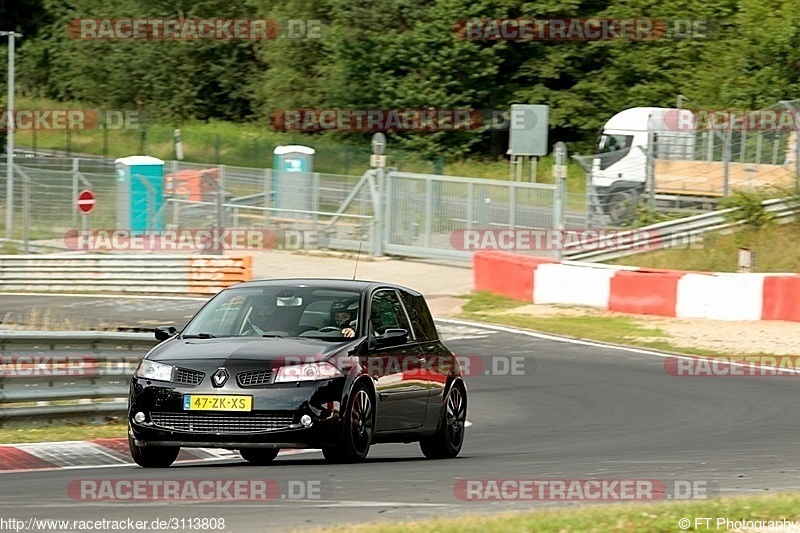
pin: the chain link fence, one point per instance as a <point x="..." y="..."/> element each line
<point x="429" y="215"/>
<point x="379" y="212"/>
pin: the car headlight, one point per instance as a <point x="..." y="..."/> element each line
<point x="152" y="370"/>
<point x="306" y="372"/>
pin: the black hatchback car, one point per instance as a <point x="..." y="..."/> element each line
<point x="332" y="364"/>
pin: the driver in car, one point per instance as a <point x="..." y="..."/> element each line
<point x="344" y="318"/>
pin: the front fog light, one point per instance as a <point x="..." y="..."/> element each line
<point x="139" y="417"/>
<point x="306" y="421"/>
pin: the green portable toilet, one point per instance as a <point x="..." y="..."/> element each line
<point x="140" y="193"/>
<point x="294" y="180"/>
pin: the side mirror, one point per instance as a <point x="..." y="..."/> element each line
<point x="392" y="337"/>
<point x="163" y="333"/>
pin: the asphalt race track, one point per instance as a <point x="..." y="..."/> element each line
<point x="126" y="312"/>
<point x="573" y="412"/>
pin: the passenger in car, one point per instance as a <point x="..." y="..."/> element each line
<point x="261" y="319"/>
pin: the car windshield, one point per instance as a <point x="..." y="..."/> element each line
<point x="282" y="311"/>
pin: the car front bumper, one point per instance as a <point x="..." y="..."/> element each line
<point x="274" y="422"/>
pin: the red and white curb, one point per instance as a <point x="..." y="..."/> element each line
<point x="109" y="452"/>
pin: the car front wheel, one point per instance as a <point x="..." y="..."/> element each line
<point x="357" y="429"/>
<point x="446" y="442"/>
<point x="152" y="456"/>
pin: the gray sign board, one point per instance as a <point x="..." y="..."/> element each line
<point x="528" y="130"/>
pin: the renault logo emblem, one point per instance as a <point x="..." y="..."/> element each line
<point x="219" y="377"/>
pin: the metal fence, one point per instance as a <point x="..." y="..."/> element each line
<point x="688" y="161"/>
<point x="379" y="212"/>
<point x="50" y="376"/>
<point x="425" y="214"/>
<point x="45" y="191"/>
<point x="235" y="148"/>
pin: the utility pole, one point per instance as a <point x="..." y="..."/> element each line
<point x="10" y="133"/>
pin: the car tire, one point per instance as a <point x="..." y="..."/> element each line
<point x="358" y="427"/>
<point x="449" y="437"/>
<point x="259" y="456"/>
<point x="153" y="456"/>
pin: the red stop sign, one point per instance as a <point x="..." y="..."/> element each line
<point x="85" y="201"/>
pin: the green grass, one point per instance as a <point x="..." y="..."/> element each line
<point x="61" y="432"/>
<point x="590" y="324"/>
<point x="251" y="145"/>
<point x="613" y="517"/>
<point x="775" y="250"/>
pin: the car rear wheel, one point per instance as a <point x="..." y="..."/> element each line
<point x="259" y="456"/>
<point x="153" y="456"/>
<point x="357" y="429"/>
<point x="446" y="442"/>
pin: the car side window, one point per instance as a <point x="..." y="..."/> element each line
<point x="386" y="312"/>
<point x="420" y="315"/>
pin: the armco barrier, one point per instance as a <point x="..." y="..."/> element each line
<point x="163" y="274"/>
<point x="87" y="373"/>
<point x="716" y="296"/>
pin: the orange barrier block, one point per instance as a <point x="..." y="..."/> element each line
<point x="506" y="274"/>
<point x="645" y="292"/>
<point x="781" y="298"/>
<point x="209" y="275"/>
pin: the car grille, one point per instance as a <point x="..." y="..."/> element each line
<point x="253" y="378"/>
<point x="221" y="423"/>
<point x="188" y="377"/>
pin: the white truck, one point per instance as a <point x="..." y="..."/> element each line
<point x="661" y="146"/>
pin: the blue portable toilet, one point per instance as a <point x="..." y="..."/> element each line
<point x="293" y="169"/>
<point x="140" y="193"/>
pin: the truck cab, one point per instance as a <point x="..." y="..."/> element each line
<point x="620" y="167"/>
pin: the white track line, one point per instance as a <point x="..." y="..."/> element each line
<point x="643" y="351"/>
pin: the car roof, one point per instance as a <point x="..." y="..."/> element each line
<point x="322" y="283"/>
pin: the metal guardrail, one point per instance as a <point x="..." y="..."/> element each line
<point x="672" y="233"/>
<point x="48" y="376"/>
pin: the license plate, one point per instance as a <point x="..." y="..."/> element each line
<point x="192" y="402"/>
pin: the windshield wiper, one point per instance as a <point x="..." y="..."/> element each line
<point x="272" y="335"/>
<point x="200" y="336"/>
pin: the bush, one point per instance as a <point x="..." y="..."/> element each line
<point x="748" y="207"/>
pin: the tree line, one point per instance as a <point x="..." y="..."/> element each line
<point x="401" y="54"/>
